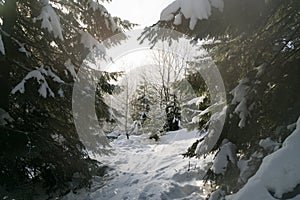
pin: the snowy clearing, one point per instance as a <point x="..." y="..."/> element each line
<point x="145" y="169"/>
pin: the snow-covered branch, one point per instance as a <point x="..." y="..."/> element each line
<point x="50" y="20"/>
<point x="191" y="9"/>
<point x="39" y="75"/>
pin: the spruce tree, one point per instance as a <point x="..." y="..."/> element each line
<point x="173" y="114"/>
<point x="141" y="103"/>
<point x="256" y="51"/>
<point x="44" y="44"/>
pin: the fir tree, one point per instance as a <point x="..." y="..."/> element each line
<point x="173" y="114"/>
<point x="141" y="103"/>
<point x="258" y="45"/>
<point x="44" y="44"/>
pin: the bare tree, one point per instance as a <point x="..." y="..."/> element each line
<point x="121" y="103"/>
<point x="171" y="63"/>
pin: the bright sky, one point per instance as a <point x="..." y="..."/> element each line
<point x="143" y="12"/>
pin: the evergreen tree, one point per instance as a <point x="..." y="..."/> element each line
<point x="196" y="100"/>
<point x="141" y="103"/>
<point x="257" y="52"/>
<point x="42" y="45"/>
<point x="173" y="114"/>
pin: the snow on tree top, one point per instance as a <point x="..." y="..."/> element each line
<point x="90" y="42"/>
<point x="70" y="67"/>
<point x="50" y="20"/>
<point x="191" y="9"/>
<point x="96" y="6"/>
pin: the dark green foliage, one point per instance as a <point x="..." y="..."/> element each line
<point x="200" y="88"/>
<point x="173" y="114"/>
<point x="41" y="149"/>
<point x="252" y="34"/>
<point x="141" y="103"/>
<point x="191" y="150"/>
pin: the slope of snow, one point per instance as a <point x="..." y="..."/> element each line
<point x="145" y="169"/>
<point x="278" y="174"/>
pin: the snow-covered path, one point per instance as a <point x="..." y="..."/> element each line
<point x="145" y="169"/>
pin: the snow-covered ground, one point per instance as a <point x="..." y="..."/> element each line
<point x="145" y="169"/>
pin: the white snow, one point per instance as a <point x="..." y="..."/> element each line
<point x="113" y="25"/>
<point x="50" y="20"/>
<point x="219" y="4"/>
<point x="96" y="6"/>
<point x="197" y="101"/>
<point x="178" y="19"/>
<point x="240" y="93"/>
<point x="213" y="133"/>
<point x="24" y="50"/>
<point x="114" y="134"/>
<point x="217" y="195"/>
<point x="90" y="42"/>
<point x="243" y="112"/>
<point x="191" y="9"/>
<point x="5" y="117"/>
<point x="2" y="50"/>
<point x="226" y="153"/>
<point x="248" y="167"/>
<point x="269" y="145"/>
<point x="50" y="73"/>
<point x="58" y="138"/>
<point x="145" y="169"/>
<point x="279" y="172"/>
<point x="243" y="167"/>
<point x="292" y="126"/>
<point x="39" y="74"/>
<point x="61" y="93"/>
<point x="260" y="70"/>
<point x="71" y="68"/>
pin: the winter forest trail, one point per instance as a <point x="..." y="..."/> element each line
<point x="145" y="169"/>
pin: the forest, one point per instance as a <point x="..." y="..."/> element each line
<point x="202" y="104"/>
